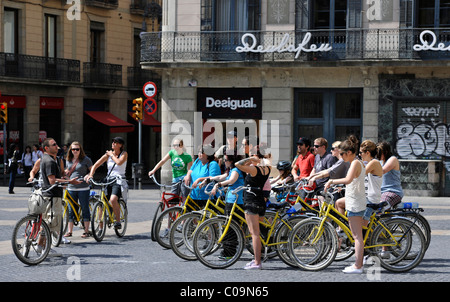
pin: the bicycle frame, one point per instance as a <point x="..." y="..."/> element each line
<point x="107" y="207"/>
<point x="325" y="213"/>
<point x="69" y="201"/>
<point x="243" y="221"/>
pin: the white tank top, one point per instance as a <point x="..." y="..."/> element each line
<point x="116" y="169"/>
<point x="374" y="187"/>
<point x="355" y="193"/>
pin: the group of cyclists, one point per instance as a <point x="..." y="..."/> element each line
<point x="369" y="172"/>
<point x="75" y="170"/>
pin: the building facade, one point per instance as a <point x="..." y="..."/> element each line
<point x="317" y="68"/>
<point x="70" y="70"/>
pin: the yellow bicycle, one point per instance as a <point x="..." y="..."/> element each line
<point x="397" y="242"/>
<point x="229" y="233"/>
<point x="68" y="201"/>
<point x="103" y="215"/>
<point x="183" y="228"/>
<point x="163" y="224"/>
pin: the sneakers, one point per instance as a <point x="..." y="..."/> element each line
<point x="252" y="266"/>
<point x="117" y="225"/>
<point x="352" y="270"/>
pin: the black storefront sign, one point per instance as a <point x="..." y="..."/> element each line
<point x="230" y="103"/>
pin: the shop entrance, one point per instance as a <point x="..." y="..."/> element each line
<point x="330" y="113"/>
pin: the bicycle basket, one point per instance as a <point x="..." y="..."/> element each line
<point x="37" y="203"/>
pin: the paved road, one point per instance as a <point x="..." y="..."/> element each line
<point x="136" y="258"/>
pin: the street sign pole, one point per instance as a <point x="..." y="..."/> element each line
<point x="140" y="150"/>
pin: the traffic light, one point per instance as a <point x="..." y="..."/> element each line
<point x="137" y="108"/>
<point x="3" y="113"/>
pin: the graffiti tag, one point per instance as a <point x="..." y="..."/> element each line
<point x="423" y="140"/>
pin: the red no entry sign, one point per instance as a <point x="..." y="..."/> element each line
<point x="150" y="106"/>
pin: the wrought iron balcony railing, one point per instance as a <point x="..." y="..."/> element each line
<point x="137" y="77"/>
<point x="108" y="4"/>
<point x="40" y="68"/>
<point x="102" y="74"/>
<point x="314" y="45"/>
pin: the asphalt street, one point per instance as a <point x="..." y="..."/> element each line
<point x="136" y="258"/>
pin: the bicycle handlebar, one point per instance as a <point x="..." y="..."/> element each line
<point x="246" y="188"/>
<point x="164" y="186"/>
<point x="302" y="184"/>
<point x="101" y="184"/>
<point x="329" y="195"/>
<point x="56" y="184"/>
<point x="221" y="190"/>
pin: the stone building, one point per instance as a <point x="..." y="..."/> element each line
<point x="316" y="68"/>
<point x="70" y="70"/>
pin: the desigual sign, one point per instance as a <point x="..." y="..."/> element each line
<point x="236" y="103"/>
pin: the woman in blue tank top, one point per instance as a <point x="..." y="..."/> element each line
<point x="233" y="178"/>
<point x="391" y="187"/>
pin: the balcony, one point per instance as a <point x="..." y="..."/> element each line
<point x="108" y="4"/>
<point x="39" y="68"/>
<point x="137" y="77"/>
<point x="313" y="45"/>
<point x="102" y="75"/>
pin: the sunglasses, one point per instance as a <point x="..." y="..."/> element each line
<point x="176" y="145"/>
<point x="54" y="145"/>
<point x="317" y="146"/>
<point x="75" y="149"/>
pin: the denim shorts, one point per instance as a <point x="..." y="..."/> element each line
<point x="255" y="208"/>
<point x="351" y="214"/>
<point x="368" y="212"/>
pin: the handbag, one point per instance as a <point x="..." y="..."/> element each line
<point x="37" y="203"/>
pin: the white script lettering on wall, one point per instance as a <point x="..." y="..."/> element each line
<point x="423" y="140"/>
<point x="430" y="46"/>
<point x="284" y="45"/>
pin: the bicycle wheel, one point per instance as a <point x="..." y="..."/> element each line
<point x="31" y="243"/>
<point x="421" y="222"/>
<point x="158" y="211"/>
<point x="313" y="248"/>
<point x="345" y="248"/>
<point x="181" y="235"/>
<point x="164" y="223"/>
<point x="123" y="219"/>
<point x="402" y="248"/>
<point x="212" y="253"/>
<point x="98" y="221"/>
<point x="281" y="239"/>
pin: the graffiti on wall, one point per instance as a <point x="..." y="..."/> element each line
<point x="422" y="134"/>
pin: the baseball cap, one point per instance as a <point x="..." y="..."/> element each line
<point x="119" y="140"/>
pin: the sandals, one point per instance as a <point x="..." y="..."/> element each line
<point x="68" y="234"/>
<point x="86" y="235"/>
